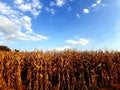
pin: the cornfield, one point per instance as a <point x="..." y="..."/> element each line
<point x="65" y="70"/>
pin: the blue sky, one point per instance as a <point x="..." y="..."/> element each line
<point x="60" y="24"/>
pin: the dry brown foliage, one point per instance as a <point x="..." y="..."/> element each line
<point x="66" y="70"/>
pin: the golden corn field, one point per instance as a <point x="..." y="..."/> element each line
<point x="65" y="70"/>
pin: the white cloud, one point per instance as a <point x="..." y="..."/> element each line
<point x="81" y="41"/>
<point x="77" y="15"/>
<point x="11" y="31"/>
<point x="7" y="26"/>
<point x="1" y="34"/>
<point x="60" y="3"/>
<point x="51" y="10"/>
<point x="84" y="41"/>
<point x="72" y="41"/>
<point x="26" y="23"/>
<point x="19" y="1"/>
<point x="33" y="38"/>
<point x="4" y="9"/>
<point x="52" y="3"/>
<point x="16" y="26"/>
<point x="25" y="7"/>
<point x="94" y="5"/>
<point x="60" y="48"/>
<point x="98" y="1"/>
<point x="34" y="7"/>
<point x="86" y="11"/>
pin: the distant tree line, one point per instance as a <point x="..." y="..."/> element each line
<point x="5" y="48"/>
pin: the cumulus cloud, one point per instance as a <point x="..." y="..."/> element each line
<point x="4" y="9"/>
<point x="26" y="23"/>
<point x="60" y="48"/>
<point x="34" y="7"/>
<point x="11" y="30"/>
<point x="81" y="41"/>
<point x="86" y="10"/>
<point x="15" y="25"/>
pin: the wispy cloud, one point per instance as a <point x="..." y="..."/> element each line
<point x="52" y="3"/>
<point x="81" y="41"/>
<point x="15" y="25"/>
<point x="86" y="10"/>
<point x="60" y="48"/>
<point x="77" y="15"/>
<point x="51" y="10"/>
<point x="69" y="9"/>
